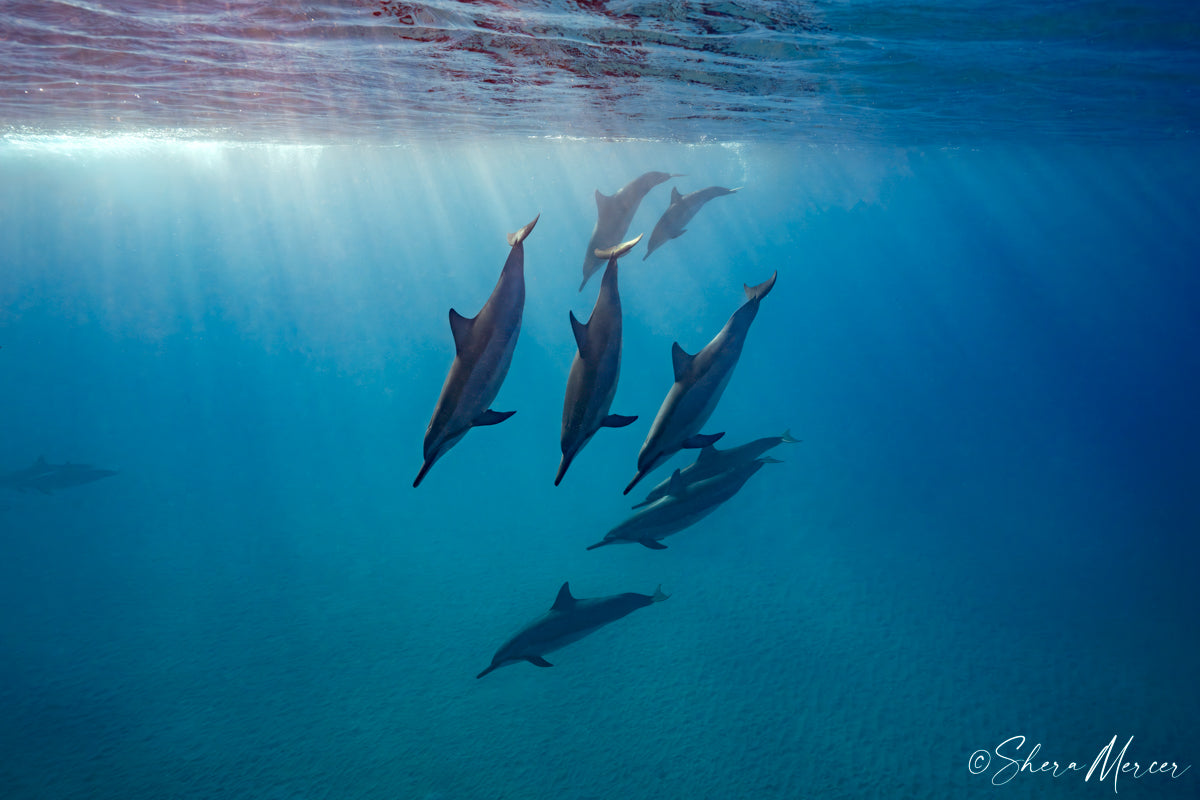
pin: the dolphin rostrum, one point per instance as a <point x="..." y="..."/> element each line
<point x="483" y="351"/>
<point x="680" y="213"/>
<point x="682" y="506"/>
<point x="699" y="382"/>
<point x="568" y="620"/>
<point x="712" y="461"/>
<point x="592" y="382"/>
<point x="613" y="215"/>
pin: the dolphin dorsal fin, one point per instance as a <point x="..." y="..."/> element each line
<point x="564" y="599"/>
<point x="680" y="360"/>
<point x="580" y="329"/>
<point x="676" y="487"/>
<point x="707" y="453"/>
<point x="602" y="201"/>
<point x="675" y="196"/>
<point x="461" y="327"/>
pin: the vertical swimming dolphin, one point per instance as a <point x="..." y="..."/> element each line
<point x="592" y="383"/>
<point x="699" y="382"/>
<point x="680" y="213"/>
<point x="613" y="215"/>
<point x="483" y="351"/>
<point x="568" y="620"/>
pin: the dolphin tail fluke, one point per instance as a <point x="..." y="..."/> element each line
<point x="619" y="250"/>
<point x="515" y="239"/>
<point x="659" y="596"/>
<point x="788" y="438"/>
<point x="763" y="289"/>
<point x="486" y="671"/>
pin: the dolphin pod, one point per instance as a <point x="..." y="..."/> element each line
<point x="568" y="620"/>
<point x="483" y="351"/>
<point x="613" y="215"/>
<point x="699" y="382"/>
<point x="592" y="383"/>
<point x="712" y="461"/>
<point x="683" y="207"/>
<point x="682" y="506"/>
<point x="484" y="347"/>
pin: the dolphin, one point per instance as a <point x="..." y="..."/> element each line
<point x="592" y="382"/>
<point x="680" y="213"/>
<point x="44" y="477"/>
<point x="568" y="620"/>
<point x="712" y="461"/>
<point x="613" y="215"/>
<point x="699" y="382"/>
<point x="483" y="351"/>
<point x="681" y="507"/>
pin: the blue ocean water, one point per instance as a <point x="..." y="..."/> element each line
<point x="984" y="330"/>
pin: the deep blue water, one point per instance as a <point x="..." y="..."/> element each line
<point x="984" y="331"/>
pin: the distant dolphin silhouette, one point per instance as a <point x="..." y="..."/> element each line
<point x="681" y="507"/>
<point x="44" y="477"/>
<point x="568" y="620"/>
<point x="680" y="213"/>
<point x="613" y="215"/>
<point x="711" y="462"/>
<point x="483" y="351"/>
<point x="699" y="382"/>
<point x="592" y="383"/>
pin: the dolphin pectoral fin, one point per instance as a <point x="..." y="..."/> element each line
<point x="680" y="360"/>
<point x="515" y="239"/>
<point x="763" y="289"/>
<point x="618" y="421"/>
<point x="491" y="417"/>
<point x="538" y="661"/>
<point x="580" y="330"/>
<point x="461" y="327"/>
<point x="769" y="460"/>
<point x="654" y="544"/>
<point x="702" y="440"/>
